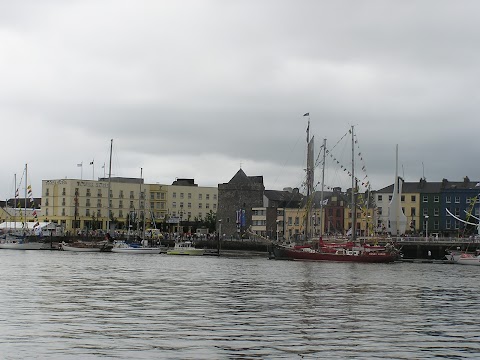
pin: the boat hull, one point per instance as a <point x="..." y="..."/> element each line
<point x="186" y="252"/>
<point x="366" y="257"/>
<point x="467" y="259"/>
<point x="138" y="250"/>
<point x="80" y="249"/>
<point x="23" y="246"/>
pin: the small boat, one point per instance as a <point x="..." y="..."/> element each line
<point x="15" y="243"/>
<point x="454" y="255"/>
<point x="468" y="259"/>
<point x="185" y="248"/>
<point x="82" y="246"/>
<point x="131" y="248"/>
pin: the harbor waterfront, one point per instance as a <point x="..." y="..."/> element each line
<point x="65" y="305"/>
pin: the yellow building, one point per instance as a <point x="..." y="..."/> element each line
<point x="187" y="202"/>
<point x="83" y="204"/>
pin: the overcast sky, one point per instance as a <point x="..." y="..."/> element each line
<point x="196" y="89"/>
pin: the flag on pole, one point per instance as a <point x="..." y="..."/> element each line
<point x="91" y="162"/>
<point x="79" y="165"/>
<point x="306" y="114"/>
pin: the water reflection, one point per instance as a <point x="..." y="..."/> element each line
<point x="66" y="305"/>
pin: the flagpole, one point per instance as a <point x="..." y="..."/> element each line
<point x="93" y="170"/>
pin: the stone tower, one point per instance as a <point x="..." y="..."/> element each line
<point x="235" y="202"/>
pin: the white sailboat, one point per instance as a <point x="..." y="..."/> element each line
<point x="18" y="238"/>
<point x="396" y="218"/>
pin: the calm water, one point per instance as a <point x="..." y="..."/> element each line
<point x="61" y="305"/>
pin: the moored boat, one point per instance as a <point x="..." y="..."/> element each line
<point x="468" y="259"/>
<point x="350" y="251"/>
<point x="81" y="246"/>
<point x="21" y="244"/>
<point x="129" y="248"/>
<point x="185" y="248"/>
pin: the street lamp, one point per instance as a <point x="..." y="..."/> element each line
<point x="426" y="226"/>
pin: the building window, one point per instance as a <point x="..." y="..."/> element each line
<point x="297" y="221"/>
<point x="200" y="205"/>
<point x="121" y="194"/>
<point x="189" y="195"/>
<point x="47" y="192"/>
<point x="87" y="203"/>
<point x="402" y="198"/>
<point x="436" y="225"/>
<point x="436" y="212"/>
<point x="63" y="212"/>
<point x="174" y="204"/>
<point x="131" y="195"/>
<point x="457" y="199"/>
<point x="425" y="212"/>
<point x="87" y="212"/>
<point x="99" y="204"/>
<point x="425" y="198"/>
<point x="207" y="206"/>
<point x="413" y="198"/>
<point x="131" y="204"/>
<point x="120" y="213"/>
<point x="120" y="204"/>
<point x="389" y="197"/>
<point x="436" y="198"/>
<point x="46" y="202"/>
<point x="448" y="224"/>
<point x="413" y="211"/>
<point x="207" y="197"/>
<point x="46" y="212"/>
<point x="174" y="195"/>
<point x="99" y="193"/>
<point x="379" y="197"/>
<point x="63" y="192"/>
<point x="181" y="195"/>
<point x="214" y="196"/>
<point x="189" y="205"/>
<point x="88" y="192"/>
<point x="448" y="199"/>
<point x="199" y="196"/>
<point x="289" y="221"/>
<point x="215" y="207"/>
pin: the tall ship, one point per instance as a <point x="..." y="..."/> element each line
<point x="349" y="251"/>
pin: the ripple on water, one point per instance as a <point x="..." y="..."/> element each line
<point x="65" y="305"/>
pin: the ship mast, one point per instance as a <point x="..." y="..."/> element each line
<point x="310" y="176"/>
<point x="354" y="205"/>
<point x="109" y="186"/>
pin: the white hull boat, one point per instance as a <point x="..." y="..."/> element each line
<point x="85" y="247"/>
<point x="125" y="248"/>
<point x="468" y="259"/>
<point x="185" y="248"/>
<point x="20" y="245"/>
